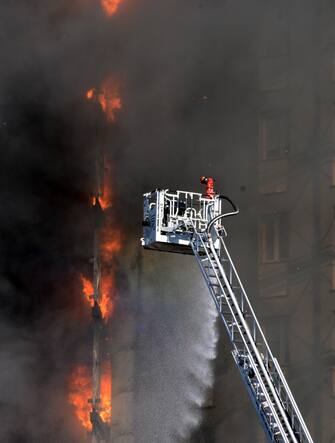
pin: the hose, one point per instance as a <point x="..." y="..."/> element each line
<point x="227" y="214"/>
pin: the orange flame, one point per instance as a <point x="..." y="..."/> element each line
<point x="80" y="391"/>
<point x="107" y="194"/>
<point x="90" y="94"/>
<point x="79" y="394"/>
<point x="106" y="393"/>
<point x="107" y="294"/>
<point x="108" y="97"/>
<point x="110" y="243"/>
<point x="93" y="200"/>
<point x="87" y="289"/>
<point x="110" y="7"/>
<point x="105" y="199"/>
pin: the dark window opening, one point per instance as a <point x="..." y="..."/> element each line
<point x="273" y="135"/>
<point x="273" y="237"/>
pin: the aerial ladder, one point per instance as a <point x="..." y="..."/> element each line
<point x="192" y="223"/>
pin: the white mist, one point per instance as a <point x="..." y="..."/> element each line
<point x="175" y="348"/>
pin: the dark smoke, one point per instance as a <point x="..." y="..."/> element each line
<point x="187" y="76"/>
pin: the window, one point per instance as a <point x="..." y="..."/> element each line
<point x="273" y="237"/>
<point x="276" y="333"/>
<point x="273" y="135"/>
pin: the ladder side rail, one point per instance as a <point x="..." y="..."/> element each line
<point x="246" y="299"/>
<point x="250" y="356"/>
<point x="215" y="299"/>
<point x="281" y="430"/>
<point x="215" y="273"/>
<point x="210" y="287"/>
<point x="251" y="391"/>
<point x="269" y="355"/>
<point x="248" y="311"/>
<point x="271" y="359"/>
<point x="293" y="402"/>
<point x="254" y="347"/>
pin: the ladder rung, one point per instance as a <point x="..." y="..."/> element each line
<point x="226" y="313"/>
<point x="217" y="269"/>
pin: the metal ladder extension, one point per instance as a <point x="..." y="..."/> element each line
<point x="260" y="371"/>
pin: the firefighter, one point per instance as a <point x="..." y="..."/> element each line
<point x="209" y="182"/>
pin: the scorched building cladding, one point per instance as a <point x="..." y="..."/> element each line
<point x="293" y="216"/>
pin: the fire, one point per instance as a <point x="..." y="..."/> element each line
<point x="110" y="7"/>
<point x="106" y="393"/>
<point x="105" y="199"/>
<point x="80" y="384"/>
<point x="87" y="289"/>
<point x="107" y="194"/>
<point x="107" y="293"/>
<point x="80" y="391"/>
<point x="107" y="296"/>
<point x="110" y="243"/>
<point x="90" y="94"/>
<point x="108" y="97"/>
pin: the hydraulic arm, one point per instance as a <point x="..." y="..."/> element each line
<point x="191" y="223"/>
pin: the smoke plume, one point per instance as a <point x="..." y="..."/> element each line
<point x="184" y="78"/>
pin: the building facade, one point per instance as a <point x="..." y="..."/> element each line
<point x="291" y="219"/>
